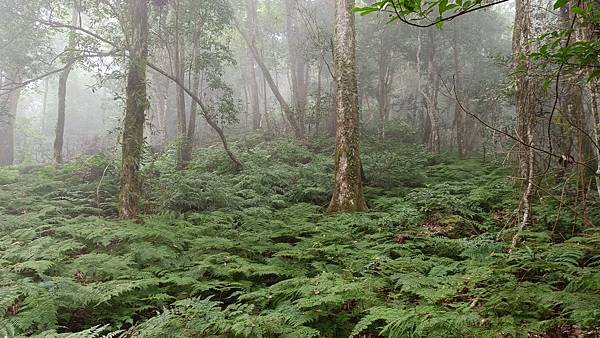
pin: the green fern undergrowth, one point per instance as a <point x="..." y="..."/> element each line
<point x="251" y="254"/>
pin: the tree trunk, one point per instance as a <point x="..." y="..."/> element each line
<point x="287" y="109"/>
<point x="136" y="105"/>
<point x="593" y="89"/>
<point x="332" y="118"/>
<point x="44" y="107"/>
<point x="162" y="99"/>
<point x="179" y="68"/>
<point x="429" y="95"/>
<point x="459" y="114"/>
<point x="318" y="103"/>
<point x="572" y="100"/>
<point x="590" y="32"/>
<point x="384" y="84"/>
<point x="525" y="105"/>
<point x="60" y="118"/>
<point x="62" y="92"/>
<point x="297" y="63"/>
<point x="253" y="101"/>
<point x="188" y="142"/>
<point x="8" y="114"/>
<point x="432" y="108"/>
<point x="348" y="189"/>
<point x="265" y="115"/>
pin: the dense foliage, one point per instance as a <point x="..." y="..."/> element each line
<point x="251" y="254"/>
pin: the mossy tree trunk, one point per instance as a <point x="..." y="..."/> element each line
<point x="135" y="111"/>
<point x="525" y="90"/>
<point x="348" y="190"/>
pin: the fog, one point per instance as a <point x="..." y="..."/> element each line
<point x="294" y="39"/>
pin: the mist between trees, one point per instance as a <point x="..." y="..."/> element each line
<point x="370" y="97"/>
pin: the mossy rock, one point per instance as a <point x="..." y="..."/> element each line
<point x="451" y="226"/>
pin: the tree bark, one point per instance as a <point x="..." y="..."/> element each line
<point x="348" y="189"/>
<point x="135" y="111"/>
<point x="593" y="89"/>
<point x="525" y="105"/>
<point x="590" y="32"/>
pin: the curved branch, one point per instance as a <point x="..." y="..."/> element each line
<point x="472" y="9"/>
<point x="205" y="113"/>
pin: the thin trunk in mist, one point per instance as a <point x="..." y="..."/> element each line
<point x="253" y="101"/>
<point x="287" y="109"/>
<point x="384" y="85"/>
<point x="8" y="116"/>
<point x="135" y="109"/>
<point x="348" y="189"/>
<point x="459" y="114"/>
<point x="62" y="92"/>
<point x="246" y="98"/>
<point x="188" y="141"/>
<point x="161" y="92"/>
<point x="429" y="92"/>
<point x="297" y="63"/>
<point x="319" y="101"/>
<point x="266" y="115"/>
<point x="179" y="69"/>
<point x="44" y="107"/>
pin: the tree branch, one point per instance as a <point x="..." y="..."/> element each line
<point x="485" y="124"/>
<point x="472" y="9"/>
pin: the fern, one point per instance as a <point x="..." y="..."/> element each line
<point x="251" y="254"/>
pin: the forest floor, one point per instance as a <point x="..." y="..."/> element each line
<point x="251" y="254"/>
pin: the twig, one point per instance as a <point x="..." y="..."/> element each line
<point x="100" y="183"/>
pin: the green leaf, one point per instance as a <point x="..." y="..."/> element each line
<point x="577" y="10"/>
<point x="560" y="3"/>
<point x="546" y="84"/>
